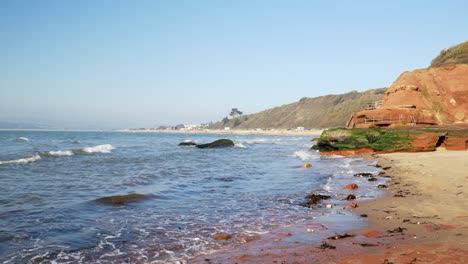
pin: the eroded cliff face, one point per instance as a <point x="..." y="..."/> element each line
<point x="433" y="96"/>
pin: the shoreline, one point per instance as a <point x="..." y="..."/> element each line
<point x="272" y="132"/>
<point x="420" y="219"/>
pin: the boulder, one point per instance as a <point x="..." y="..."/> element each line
<point x="187" y="143"/>
<point x="220" y="143"/>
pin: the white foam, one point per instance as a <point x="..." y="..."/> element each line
<point x="60" y="153"/>
<point x="22" y="161"/>
<point x="22" y="139"/>
<point x="106" y="148"/>
<point x="327" y="185"/>
<point x="239" y="145"/>
<point x="303" y="155"/>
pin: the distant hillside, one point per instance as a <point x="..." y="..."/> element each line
<point x="319" y="112"/>
<point x="455" y="55"/>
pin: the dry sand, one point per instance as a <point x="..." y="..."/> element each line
<point x="428" y="199"/>
<point x="426" y="207"/>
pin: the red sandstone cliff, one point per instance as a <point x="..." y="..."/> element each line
<point x="433" y="96"/>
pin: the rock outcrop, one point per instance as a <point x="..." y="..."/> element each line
<point x="425" y="97"/>
<point x="342" y="141"/>
<point x="220" y="143"/>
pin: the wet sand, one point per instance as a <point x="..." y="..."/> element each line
<point x="423" y="218"/>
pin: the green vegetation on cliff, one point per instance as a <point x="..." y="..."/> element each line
<point x="455" y="55"/>
<point x="358" y="138"/>
<point x="390" y="140"/>
<point x="319" y="112"/>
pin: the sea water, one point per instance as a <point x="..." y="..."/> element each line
<point x="50" y="181"/>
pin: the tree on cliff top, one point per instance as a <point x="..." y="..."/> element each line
<point x="454" y="55"/>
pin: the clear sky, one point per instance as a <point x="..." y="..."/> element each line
<point x="118" y="64"/>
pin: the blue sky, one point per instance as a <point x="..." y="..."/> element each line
<point x="118" y="64"/>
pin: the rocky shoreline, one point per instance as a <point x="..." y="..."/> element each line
<point x="421" y="219"/>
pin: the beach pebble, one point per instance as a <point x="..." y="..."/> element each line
<point x="388" y="217"/>
<point x="353" y="205"/>
<point x="307" y="165"/>
<point x="310" y="230"/>
<point x="278" y="239"/>
<point x="329" y="206"/>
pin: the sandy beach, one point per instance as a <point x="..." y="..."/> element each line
<point x="422" y="218"/>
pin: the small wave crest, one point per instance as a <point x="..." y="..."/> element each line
<point x="240" y="145"/>
<point x="106" y="148"/>
<point x="23" y="160"/>
<point x="58" y="153"/>
<point x="22" y="139"/>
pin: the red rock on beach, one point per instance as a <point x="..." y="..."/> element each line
<point x="351" y="186"/>
<point x="372" y="233"/>
<point x="221" y="236"/>
<point x="353" y="205"/>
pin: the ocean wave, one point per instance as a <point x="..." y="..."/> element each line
<point x="22" y="139"/>
<point x="106" y="148"/>
<point x="23" y="160"/>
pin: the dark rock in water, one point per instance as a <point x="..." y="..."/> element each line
<point x="363" y="174"/>
<point x="382" y="186"/>
<point x="121" y="199"/>
<point x="220" y="143"/>
<point x="363" y="215"/>
<point x="314" y="199"/>
<point x="187" y="143"/>
<point x="372" y="179"/>
<point x="350" y="197"/>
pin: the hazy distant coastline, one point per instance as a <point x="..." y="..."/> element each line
<point x="313" y="132"/>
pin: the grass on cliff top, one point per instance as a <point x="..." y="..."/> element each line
<point x="377" y="139"/>
<point x="454" y="55"/>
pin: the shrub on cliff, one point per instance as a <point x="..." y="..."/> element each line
<point x="455" y="55"/>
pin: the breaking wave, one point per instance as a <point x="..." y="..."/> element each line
<point x="23" y="160"/>
<point x="22" y="139"/>
<point x="106" y="148"/>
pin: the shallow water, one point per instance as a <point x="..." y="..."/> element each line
<point x="50" y="181"/>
